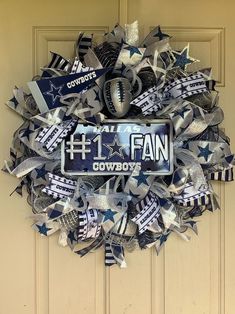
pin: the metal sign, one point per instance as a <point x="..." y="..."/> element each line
<point x="117" y="146"/>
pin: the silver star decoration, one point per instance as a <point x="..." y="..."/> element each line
<point x="115" y="148"/>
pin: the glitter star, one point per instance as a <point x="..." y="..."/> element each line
<point x="205" y="152"/>
<point x="160" y="34"/>
<point x="183" y="58"/>
<point x="71" y="237"/>
<point x="109" y="215"/>
<point x="26" y="133"/>
<point x="133" y="50"/>
<point x="163" y="238"/>
<point x="141" y="178"/>
<point x="43" y="229"/>
<point x="41" y="173"/>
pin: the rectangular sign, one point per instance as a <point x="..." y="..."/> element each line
<point x="117" y="146"/>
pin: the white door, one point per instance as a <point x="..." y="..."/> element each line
<point x="36" y="275"/>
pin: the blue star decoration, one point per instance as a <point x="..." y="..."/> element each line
<point x="43" y="229"/>
<point x="205" y="152"/>
<point x="14" y="102"/>
<point x="181" y="113"/>
<point x="41" y="173"/>
<point x="141" y="178"/>
<point x="97" y="95"/>
<point x="133" y="50"/>
<point x="54" y="92"/>
<point x="182" y="58"/>
<point x="160" y="34"/>
<point x="163" y="238"/>
<point x="72" y="237"/>
<point x="115" y="148"/>
<point x="109" y="215"/>
<point x="26" y="133"/>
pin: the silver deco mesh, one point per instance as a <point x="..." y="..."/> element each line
<point x="93" y="182"/>
<point x="129" y="242"/>
<point x="69" y="221"/>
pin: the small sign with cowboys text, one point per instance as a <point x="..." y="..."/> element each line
<point x="117" y="146"/>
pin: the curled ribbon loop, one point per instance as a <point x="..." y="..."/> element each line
<point x="191" y="163"/>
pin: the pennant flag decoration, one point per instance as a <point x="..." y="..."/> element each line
<point x="47" y="92"/>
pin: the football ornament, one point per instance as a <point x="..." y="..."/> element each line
<point x="117" y="95"/>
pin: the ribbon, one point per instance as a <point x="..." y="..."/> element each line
<point x="59" y="187"/>
<point x="149" y="211"/>
<point x="53" y="135"/>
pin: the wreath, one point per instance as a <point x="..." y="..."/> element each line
<point x="118" y="146"/>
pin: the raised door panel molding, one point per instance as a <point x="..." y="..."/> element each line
<point x="207" y="44"/>
<point x="46" y="38"/>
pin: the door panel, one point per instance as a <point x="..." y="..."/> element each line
<point x="36" y="275"/>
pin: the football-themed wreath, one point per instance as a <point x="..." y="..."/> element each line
<point x="118" y="147"/>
